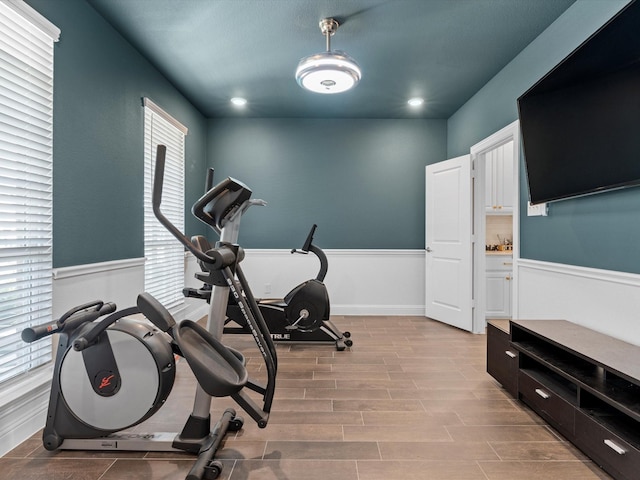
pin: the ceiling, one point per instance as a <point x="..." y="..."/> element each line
<point x="441" y="50"/>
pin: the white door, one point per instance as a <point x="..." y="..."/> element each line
<point x="449" y="268"/>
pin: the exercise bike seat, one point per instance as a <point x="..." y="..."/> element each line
<point x="219" y="370"/>
<point x="275" y="302"/>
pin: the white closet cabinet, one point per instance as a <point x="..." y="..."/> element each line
<point x="499" y="180"/>
<point x="498" y="286"/>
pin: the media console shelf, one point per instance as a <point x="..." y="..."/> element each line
<point x="586" y="385"/>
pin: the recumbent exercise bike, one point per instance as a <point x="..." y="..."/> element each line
<point x="112" y="374"/>
<point x="302" y="316"/>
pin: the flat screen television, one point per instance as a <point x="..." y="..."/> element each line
<point x="580" y="123"/>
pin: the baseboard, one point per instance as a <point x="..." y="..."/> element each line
<point x="23" y="407"/>
<point x="378" y="310"/>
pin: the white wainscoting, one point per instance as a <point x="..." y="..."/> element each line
<point x="118" y="281"/>
<point x="360" y="282"/>
<point x="603" y="300"/>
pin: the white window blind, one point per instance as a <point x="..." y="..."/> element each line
<point x="26" y="116"/>
<point x="164" y="264"/>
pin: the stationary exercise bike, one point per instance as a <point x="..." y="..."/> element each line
<point x="302" y="316"/>
<point x="115" y="373"/>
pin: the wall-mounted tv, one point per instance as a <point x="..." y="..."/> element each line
<point x="581" y="122"/>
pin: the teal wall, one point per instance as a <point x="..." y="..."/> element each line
<point x="361" y="181"/>
<point x="600" y="231"/>
<point x="99" y="81"/>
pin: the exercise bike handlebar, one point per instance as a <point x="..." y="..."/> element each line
<point x="218" y="258"/>
<point x="71" y="320"/>
<point x="310" y="247"/>
<point x="306" y="246"/>
<point x="309" y="240"/>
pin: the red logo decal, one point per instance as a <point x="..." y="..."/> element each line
<point x="105" y="382"/>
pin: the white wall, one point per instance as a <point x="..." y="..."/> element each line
<point x="603" y="300"/>
<point x="360" y="282"/>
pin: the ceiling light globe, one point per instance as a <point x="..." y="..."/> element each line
<point x="328" y="72"/>
<point x="416" y="101"/>
<point x="239" y="101"/>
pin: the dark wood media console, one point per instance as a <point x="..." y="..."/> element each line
<point x="583" y="383"/>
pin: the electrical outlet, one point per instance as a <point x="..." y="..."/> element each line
<point x="539" y="210"/>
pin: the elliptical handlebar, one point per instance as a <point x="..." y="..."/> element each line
<point x="218" y="258"/>
<point x="158" y="181"/>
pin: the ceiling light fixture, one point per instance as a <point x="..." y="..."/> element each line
<point x="330" y="71"/>
<point x="239" y="101"/>
<point x="416" y="101"/>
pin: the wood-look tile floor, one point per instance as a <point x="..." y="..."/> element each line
<point x="411" y="400"/>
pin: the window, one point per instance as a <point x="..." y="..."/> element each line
<point x="26" y="154"/>
<point x="164" y="264"/>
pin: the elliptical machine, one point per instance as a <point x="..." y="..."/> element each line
<point x="302" y="316"/>
<point x="115" y="373"/>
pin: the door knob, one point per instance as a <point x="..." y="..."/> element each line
<point x="429" y="250"/>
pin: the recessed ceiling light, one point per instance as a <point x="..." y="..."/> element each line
<point x="239" y="101"/>
<point x="416" y="101"/>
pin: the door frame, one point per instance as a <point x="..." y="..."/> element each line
<point x="478" y="158"/>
